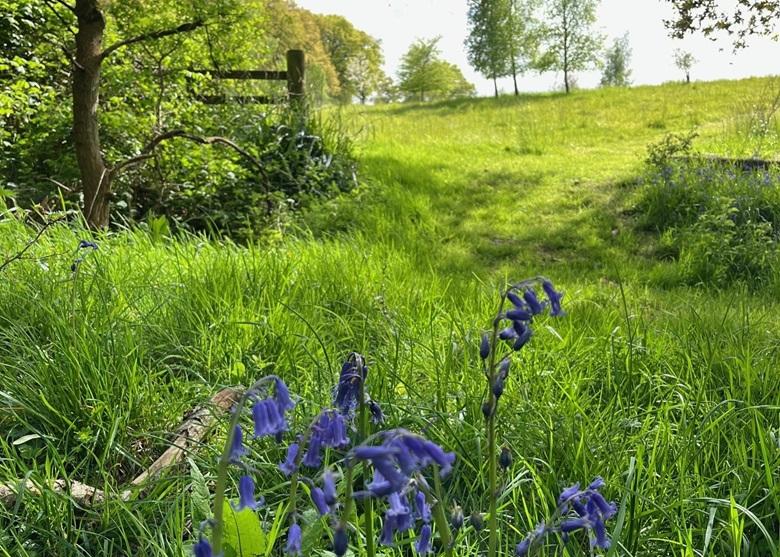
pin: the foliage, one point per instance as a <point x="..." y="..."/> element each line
<point x="487" y="43"/>
<point x="356" y="56"/>
<point x="571" y="42"/>
<point x="616" y="72"/>
<point x="423" y="75"/>
<point x="740" y="19"/>
<point x="722" y="223"/>
<point x="680" y="381"/>
<point x="685" y="62"/>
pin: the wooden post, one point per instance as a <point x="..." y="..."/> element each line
<point x="295" y="75"/>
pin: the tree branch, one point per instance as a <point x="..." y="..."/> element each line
<point x="30" y="244"/>
<point x="183" y="28"/>
<point x="146" y="152"/>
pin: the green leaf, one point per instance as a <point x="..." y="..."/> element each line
<point x="243" y="532"/>
<point x="201" y="500"/>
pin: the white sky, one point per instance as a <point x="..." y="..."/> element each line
<point x="396" y="23"/>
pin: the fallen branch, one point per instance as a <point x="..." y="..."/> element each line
<point x="189" y="435"/>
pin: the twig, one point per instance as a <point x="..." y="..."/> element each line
<point x="82" y="494"/>
<point x="19" y="255"/>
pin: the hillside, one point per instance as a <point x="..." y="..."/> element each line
<point x="667" y="390"/>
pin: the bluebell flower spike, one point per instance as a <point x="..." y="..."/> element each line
<point x="246" y="495"/>
<point x="202" y="548"/>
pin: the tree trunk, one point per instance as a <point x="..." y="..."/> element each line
<point x="566" y="79"/>
<point x="687" y="77"/>
<point x="86" y="133"/>
<point x="514" y="75"/>
<point x="495" y="87"/>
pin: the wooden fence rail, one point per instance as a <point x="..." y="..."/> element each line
<point x="294" y="75"/>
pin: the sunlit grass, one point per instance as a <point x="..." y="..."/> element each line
<point x="103" y="364"/>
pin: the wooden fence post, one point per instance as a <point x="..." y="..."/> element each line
<point x="295" y="75"/>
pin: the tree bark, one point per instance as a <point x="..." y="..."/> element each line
<point x="514" y="75"/>
<point x="86" y="133"/>
<point x="495" y="87"/>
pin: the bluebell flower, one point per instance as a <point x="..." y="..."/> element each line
<point x="387" y="535"/>
<point x="522" y="548"/>
<point x="571" y="524"/>
<point x="515" y="299"/>
<point x="353" y="373"/>
<point x="484" y="347"/>
<point x="423" y="544"/>
<point x="340" y="541"/>
<point x="536" y="307"/>
<point x="282" y="396"/>
<point x="554" y="297"/>
<point x="456" y="518"/>
<point x="377" y="416"/>
<point x="519" y="315"/>
<point x="318" y="498"/>
<point x="237" y="449"/>
<point x="421" y="507"/>
<point x="84" y="244"/>
<point x="268" y="418"/>
<point x="294" y="540"/>
<point x="313" y="458"/>
<point x="246" y="494"/>
<point x="288" y="467"/>
<point x="202" y="548"/>
<point x="335" y="430"/>
<point x="329" y="487"/>
<point x="524" y="333"/>
<point x="476" y="521"/>
<point x="505" y="458"/>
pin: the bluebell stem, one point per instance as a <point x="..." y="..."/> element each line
<point x="518" y="332"/>
<point x="294" y="540"/>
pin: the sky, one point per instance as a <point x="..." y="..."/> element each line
<point x="397" y="23"/>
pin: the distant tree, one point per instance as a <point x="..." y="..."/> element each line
<point x="423" y="75"/>
<point x="524" y="35"/>
<point x="356" y="56"/>
<point x="572" y="43"/>
<point x="739" y="19"/>
<point x="487" y="43"/>
<point x="616" y="71"/>
<point x="685" y="61"/>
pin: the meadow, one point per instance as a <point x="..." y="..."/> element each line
<point x="666" y="389"/>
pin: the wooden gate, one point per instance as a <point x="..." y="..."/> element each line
<point x="294" y="75"/>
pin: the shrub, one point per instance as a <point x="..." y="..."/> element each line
<point x="722" y="223"/>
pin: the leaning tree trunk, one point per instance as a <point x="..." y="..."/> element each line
<point x="514" y="75"/>
<point x="86" y="134"/>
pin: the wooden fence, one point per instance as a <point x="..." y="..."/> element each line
<point x="294" y="75"/>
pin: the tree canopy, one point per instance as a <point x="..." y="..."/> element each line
<point x="739" y="19"/>
<point x="423" y="75"/>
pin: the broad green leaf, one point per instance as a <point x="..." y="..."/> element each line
<point x="243" y="532"/>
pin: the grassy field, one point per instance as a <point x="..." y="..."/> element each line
<point x="676" y="384"/>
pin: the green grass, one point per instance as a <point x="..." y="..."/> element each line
<point x="457" y="197"/>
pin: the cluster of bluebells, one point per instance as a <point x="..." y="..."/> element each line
<point x="269" y="414"/>
<point x="578" y="509"/>
<point x="514" y="327"/>
<point x="83" y="245"/>
<point x="397" y="465"/>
